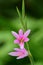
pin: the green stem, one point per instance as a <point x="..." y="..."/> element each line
<point x="30" y="55"/>
<point x="31" y="59"/>
<point x="25" y="28"/>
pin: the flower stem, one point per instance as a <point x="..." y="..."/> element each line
<point x="25" y="28"/>
<point x="30" y="55"/>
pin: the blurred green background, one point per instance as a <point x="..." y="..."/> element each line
<point x="9" y="21"/>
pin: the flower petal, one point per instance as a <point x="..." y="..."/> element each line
<point x="14" y="53"/>
<point x="16" y="41"/>
<point x="26" y="39"/>
<point x="20" y="57"/>
<point x="17" y="49"/>
<point x="27" y="33"/>
<point x="21" y="45"/>
<point x="15" y="34"/>
<point x="20" y="33"/>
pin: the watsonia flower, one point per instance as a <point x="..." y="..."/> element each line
<point x="21" y="37"/>
<point x="20" y="53"/>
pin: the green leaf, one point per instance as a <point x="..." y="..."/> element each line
<point x="20" y="17"/>
<point x="18" y="13"/>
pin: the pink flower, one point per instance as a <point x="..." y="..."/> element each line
<point x="20" y="53"/>
<point x="21" y="37"/>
